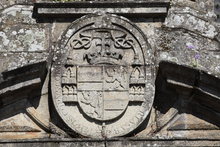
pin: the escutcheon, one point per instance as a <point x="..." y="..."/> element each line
<point x="102" y="76"/>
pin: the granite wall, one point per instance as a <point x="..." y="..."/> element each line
<point x="189" y="35"/>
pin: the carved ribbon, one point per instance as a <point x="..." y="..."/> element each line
<point x="122" y="43"/>
<point x="84" y="42"/>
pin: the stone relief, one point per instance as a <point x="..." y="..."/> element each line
<point x="104" y="40"/>
<point x="103" y="84"/>
<point x="102" y="75"/>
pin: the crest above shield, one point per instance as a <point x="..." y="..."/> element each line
<point x="102" y="81"/>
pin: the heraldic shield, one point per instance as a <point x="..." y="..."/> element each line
<point x="103" y="91"/>
<point x="101" y="76"/>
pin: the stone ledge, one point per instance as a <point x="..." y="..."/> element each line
<point x="21" y="80"/>
<point x="110" y="143"/>
<point x="78" y="9"/>
<point x="187" y="80"/>
<point x="190" y="78"/>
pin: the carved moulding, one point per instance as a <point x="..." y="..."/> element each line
<point x="102" y="85"/>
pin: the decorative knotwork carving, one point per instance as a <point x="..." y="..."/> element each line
<point x="84" y="42"/>
<point x="107" y="41"/>
<point x="122" y="42"/>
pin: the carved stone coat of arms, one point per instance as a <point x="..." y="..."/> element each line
<point x="102" y="77"/>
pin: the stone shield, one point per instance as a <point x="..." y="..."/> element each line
<point x="102" y="81"/>
<point x="103" y="96"/>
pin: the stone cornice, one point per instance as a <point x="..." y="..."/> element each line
<point x="77" y="9"/>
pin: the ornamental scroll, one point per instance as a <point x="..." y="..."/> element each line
<point x="101" y="78"/>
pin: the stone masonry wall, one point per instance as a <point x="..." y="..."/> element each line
<point x="22" y="39"/>
<point x="189" y="35"/>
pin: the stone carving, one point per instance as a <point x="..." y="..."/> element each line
<point x="116" y="78"/>
<point x="103" y="40"/>
<point x="69" y="75"/>
<point x="102" y="75"/>
<point x="92" y="101"/>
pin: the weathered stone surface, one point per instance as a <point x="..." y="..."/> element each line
<point x="179" y="40"/>
<point x="193" y="105"/>
<point x="8" y="3"/>
<point x="190" y="36"/>
<point x="22" y="40"/>
<point x="10" y="60"/>
<point x="15" y="89"/>
<point x="186" y="107"/>
<point x="217" y="9"/>
<point x="17" y="14"/>
<point x="57" y="30"/>
<point x="16" y="33"/>
<point x="56" y="143"/>
<point x="110" y="143"/>
<point x="161" y="143"/>
<point x="203" y="6"/>
<point x="189" y="21"/>
<point x="188" y="48"/>
<point x="205" y="60"/>
<point x="104" y="68"/>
